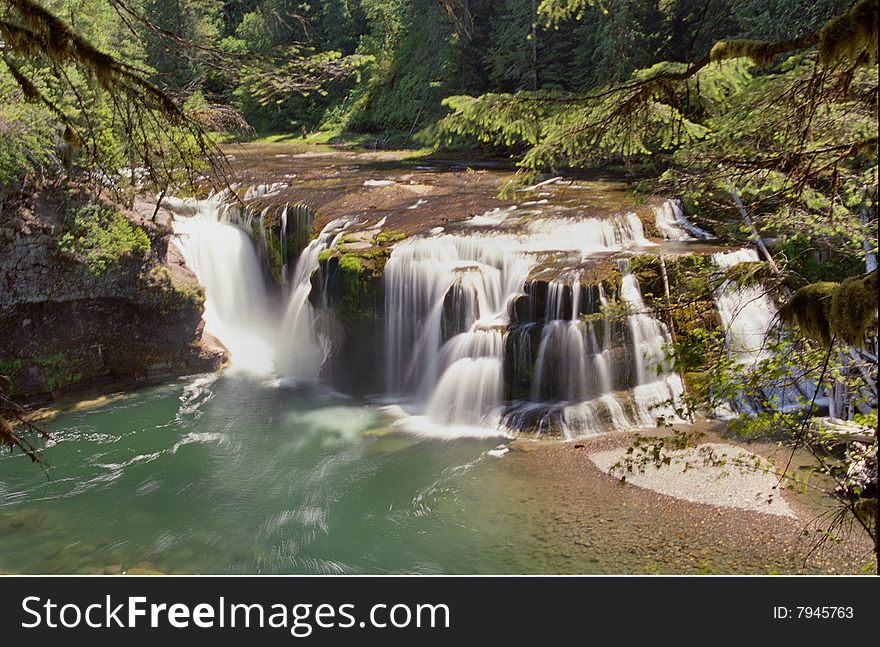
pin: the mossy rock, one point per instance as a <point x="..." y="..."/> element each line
<point x="278" y="248"/>
<point x="167" y="294"/>
<point x="649" y="223"/>
<point x="389" y="237"/>
<point x="349" y="290"/>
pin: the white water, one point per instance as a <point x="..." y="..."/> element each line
<point x="747" y="313"/>
<point x="418" y="276"/>
<point x="748" y="317"/>
<point x="447" y="301"/>
<point x="236" y="302"/>
<point x="649" y="335"/>
<point x="471" y="278"/>
<point x="674" y="225"/>
<point x="237" y="311"/>
<point x="301" y="350"/>
<point x="655" y="397"/>
<point x="570" y="359"/>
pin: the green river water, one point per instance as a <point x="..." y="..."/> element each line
<point x="242" y="476"/>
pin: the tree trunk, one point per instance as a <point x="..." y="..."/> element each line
<point x="755" y="236"/>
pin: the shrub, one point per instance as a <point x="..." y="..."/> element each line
<point x="99" y="237"/>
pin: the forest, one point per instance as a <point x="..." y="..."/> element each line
<point x="758" y="117"/>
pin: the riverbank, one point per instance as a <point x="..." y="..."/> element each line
<point x="588" y="512"/>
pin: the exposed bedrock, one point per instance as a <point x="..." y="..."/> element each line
<point x="109" y="313"/>
<point x="348" y="294"/>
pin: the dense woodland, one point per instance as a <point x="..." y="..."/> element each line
<point x="760" y="114"/>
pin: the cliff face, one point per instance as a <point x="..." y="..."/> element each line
<point x="93" y="298"/>
<point x="349" y="293"/>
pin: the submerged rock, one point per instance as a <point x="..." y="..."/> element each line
<point x="20" y="520"/>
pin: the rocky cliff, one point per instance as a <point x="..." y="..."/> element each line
<point x="93" y="297"/>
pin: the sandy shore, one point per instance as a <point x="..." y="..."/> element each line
<point x="603" y="525"/>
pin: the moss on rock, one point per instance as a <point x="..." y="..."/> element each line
<point x="853" y="307"/>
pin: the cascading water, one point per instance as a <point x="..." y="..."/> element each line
<point x="674" y="225"/>
<point x="464" y="283"/>
<point x="301" y="351"/>
<point x="570" y="363"/>
<point x="649" y="335"/>
<point x="748" y="317"/>
<point x="237" y="311"/>
<point x="747" y="313"/>
<point x="658" y="389"/>
<point x="448" y="299"/>
<point x="236" y="301"/>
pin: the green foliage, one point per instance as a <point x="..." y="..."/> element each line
<point x="557" y="10"/>
<point x="27" y="136"/>
<point x="99" y="237"/>
<point x="389" y="237"/>
<point x="816" y="260"/>
<point x="777" y="20"/>
<point x="350" y="264"/>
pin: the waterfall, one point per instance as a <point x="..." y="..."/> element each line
<point x="748" y="317"/>
<point x="457" y="331"/>
<point x="448" y="328"/>
<point x="301" y="351"/>
<point x="236" y="301"/>
<point x="418" y="277"/>
<point x="674" y="225"/>
<point x="747" y="313"/>
<point x="211" y="235"/>
<point x="649" y="335"/>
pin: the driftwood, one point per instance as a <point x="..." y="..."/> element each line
<point x="834" y="429"/>
<point x="537" y="186"/>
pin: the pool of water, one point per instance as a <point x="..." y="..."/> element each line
<point x="237" y="475"/>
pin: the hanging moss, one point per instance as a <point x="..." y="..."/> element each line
<point x="809" y="309"/>
<point x="849" y="35"/>
<point x="825" y="311"/>
<point x="761" y="53"/>
<point x="852" y="36"/>
<point x="853" y="306"/>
